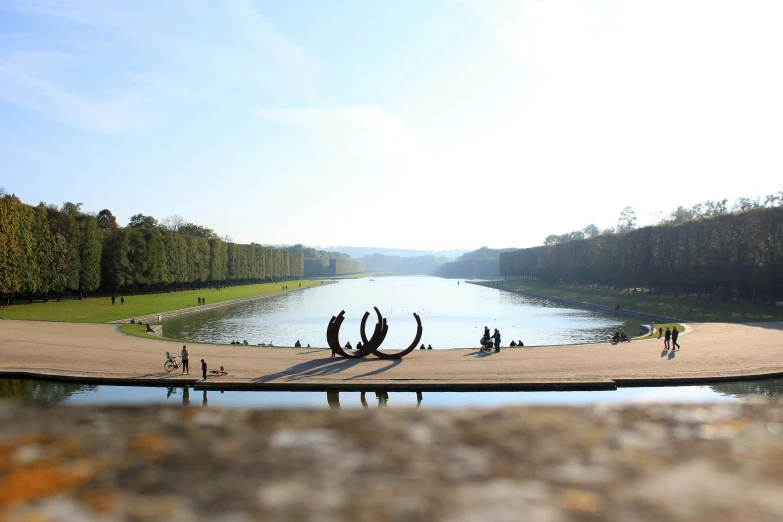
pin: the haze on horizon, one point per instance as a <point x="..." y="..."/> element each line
<point x="422" y="125"/>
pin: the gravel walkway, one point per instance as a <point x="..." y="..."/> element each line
<point x="97" y="353"/>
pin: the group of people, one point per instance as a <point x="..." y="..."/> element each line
<point x="620" y="337"/>
<point x="202" y="301"/>
<point x="243" y="343"/>
<point x="670" y="335"/>
<point x="490" y="341"/>
<point x="114" y="299"/>
<point x="429" y="347"/>
<point x="185" y="355"/>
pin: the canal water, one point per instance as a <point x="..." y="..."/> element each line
<point x="32" y="390"/>
<point x="452" y="315"/>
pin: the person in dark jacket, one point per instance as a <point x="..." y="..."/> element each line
<point x="204" y="369"/>
<point x="666" y="337"/>
<point x="675" y="335"/>
<point x="496" y="337"/>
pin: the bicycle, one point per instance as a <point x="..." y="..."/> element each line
<point x="171" y="364"/>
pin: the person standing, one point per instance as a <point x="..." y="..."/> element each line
<point x="122" y="301"/>
<point x="185" y="359"/>
<point x="652" y="329"/>
<point x="203" y="301"/>
<point x="204" y="369"/>
<point x="675" y="335"/>
<point x="113" y="299"/>
<point x="199" y="301"/>
<point x="666" y="337"/>
<point x="496" y="337"/>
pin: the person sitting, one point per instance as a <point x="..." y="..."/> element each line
<point x="348" y="346"/>
<point x="133" y="321"/>
<point x="297" y="344"/>
<point x="150" y="329"/>
<point x="623" y="337"/>
<point x="513" y="343"/>
<point x="245" y="342"/>
<point x="616" y="337"/>
<point x="359" y="345"/>
<point x="422" y="347"/>
<point x="308" y="345"/>
<point x="232" y="343"/>
<point x="169" y="357"/>
<point x="520" y="343"/>
<point x="429" y="347"/>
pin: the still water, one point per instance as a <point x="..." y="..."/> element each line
<point x="32" y="390"/>
<point x="452" y="315"/>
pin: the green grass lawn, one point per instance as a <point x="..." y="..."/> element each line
<point x="690" y="308"/>
<point x="100" y="310"/>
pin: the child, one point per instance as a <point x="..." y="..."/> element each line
<point x="204" y="369"/>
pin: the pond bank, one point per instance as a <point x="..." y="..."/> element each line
<point x="96" y="353"/>
<point x="644" y="316"/>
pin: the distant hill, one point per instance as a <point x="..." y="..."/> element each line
<point x="359" y="252"/>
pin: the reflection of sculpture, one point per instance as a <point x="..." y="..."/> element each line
<point x="370" y="345"/>
<point x="333" y="398"/>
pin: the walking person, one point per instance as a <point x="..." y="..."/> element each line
<point x="113" y="299"/>
<point x="652" y="329"/>
<point x="204" y="369"/>
<point x="185" y="359"/>
<point x="666" y="338"/>
<point x="199" y="301"/>
<point x="675" y="335"/>
<point x="496" y="337"/>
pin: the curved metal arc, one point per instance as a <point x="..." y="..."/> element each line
<point x="333" y="335"/>
<point x="409" y="349"/>
<point x="379" y="334"/>
<point x="370" y="345"/>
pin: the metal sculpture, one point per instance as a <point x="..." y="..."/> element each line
<point x="372" y="344"/>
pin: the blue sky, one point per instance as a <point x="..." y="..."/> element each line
<point x="433" y="124"/>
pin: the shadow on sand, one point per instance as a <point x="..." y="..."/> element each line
<point x="322" y="367"/>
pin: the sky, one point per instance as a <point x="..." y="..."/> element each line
<point x="417" y="124"/>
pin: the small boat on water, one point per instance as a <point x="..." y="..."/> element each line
<point x="457" y="282"/>
<point x="372" y="279"/>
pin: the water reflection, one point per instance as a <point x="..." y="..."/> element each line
<point x="41" y="391"/>
<point x="80" y="394"/>
<point x="453" y="316"/>
<point x="333" y="399"/>
<point x="769" y="389"/>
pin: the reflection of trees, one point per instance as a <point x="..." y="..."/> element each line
<point x="770" y="388"/>
<point x="41" y="391"/>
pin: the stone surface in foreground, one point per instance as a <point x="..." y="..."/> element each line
<point x="717" y="462"/>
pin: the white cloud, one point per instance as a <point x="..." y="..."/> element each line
<point x="35" y="92"/>
<point x="128" y="60"/>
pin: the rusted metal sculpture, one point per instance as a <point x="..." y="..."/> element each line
<point x="372" y="344"/>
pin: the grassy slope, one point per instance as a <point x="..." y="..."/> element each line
<point x="701" y="310"/>
<point x="100" y="310"/>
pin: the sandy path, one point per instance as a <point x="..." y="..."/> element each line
<point x="98" y="351"/>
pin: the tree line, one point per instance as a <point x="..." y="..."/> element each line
<point x="727" y="255"/>
<point x="49" y="250"/>
<point x="704" y="210"/>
